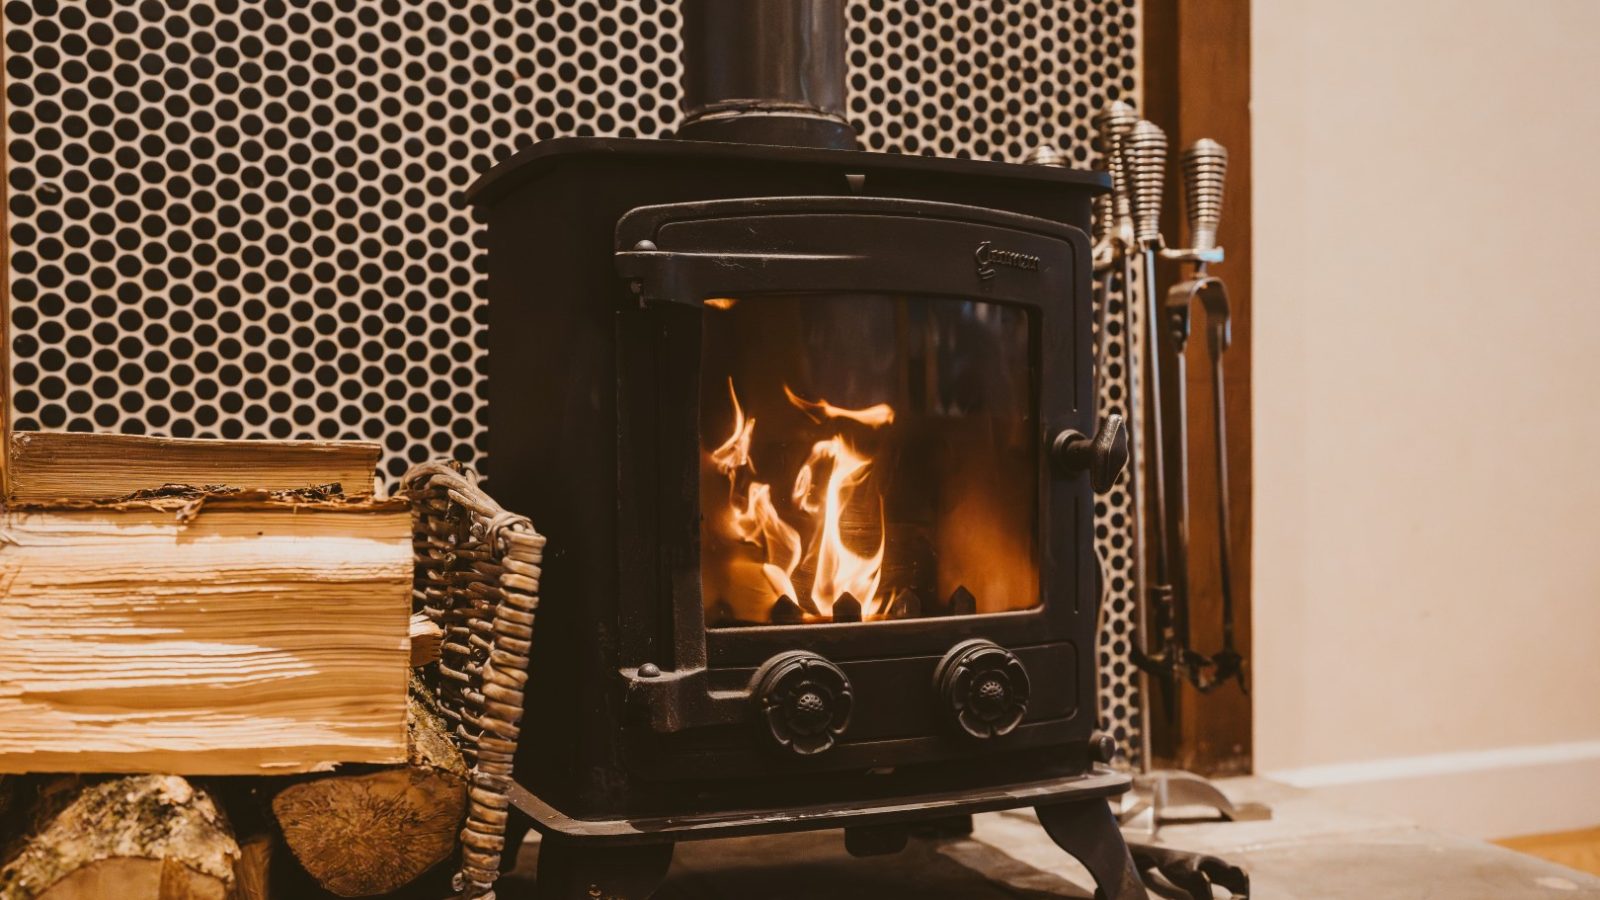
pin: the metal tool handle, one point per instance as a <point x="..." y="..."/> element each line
<point x="1115" y="123"/>
<point x="1205" y="174"/>
<point x="1144" y="160"/>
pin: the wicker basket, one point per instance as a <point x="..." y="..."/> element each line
<point x="477" y="576"/>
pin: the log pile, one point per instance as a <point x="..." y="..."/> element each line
<point x="359" y="831"/>
<point x="209" y="677"/>
<point x="221" y="634"/>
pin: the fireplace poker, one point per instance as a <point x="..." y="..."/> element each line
<point x="1114" y="241"/>
<point x="1143" y="161"/>
<point x="1114" y="252"/>
<point x="1115" y="247"/>
<point x="1116" y="244"/>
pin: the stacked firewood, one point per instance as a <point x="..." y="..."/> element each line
<point x="211" y="681"/>
<point x="362" y="831"/>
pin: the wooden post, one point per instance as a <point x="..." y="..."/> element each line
<point x="1197" y="84"/>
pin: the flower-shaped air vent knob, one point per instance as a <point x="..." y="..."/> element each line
<point x="982" y="688"/>
<point x="803" y="701"/>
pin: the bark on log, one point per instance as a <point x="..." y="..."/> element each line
<point x="146" y="837"/>
<point x="367" y="832"/>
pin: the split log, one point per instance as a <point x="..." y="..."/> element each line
<point x="426" y="639"/>
<point x="51" y="466"/>
<point x="370" y="832"/>
<point x="251" y="873"/>
<point x="207" y="635"/>
<point x="145" y="837"/>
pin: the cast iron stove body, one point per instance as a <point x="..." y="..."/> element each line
<point x="812" y="432"/>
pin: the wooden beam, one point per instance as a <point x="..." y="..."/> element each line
<point x="1197" y="84"/>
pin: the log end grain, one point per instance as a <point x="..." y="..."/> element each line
<point x="147" y="836"/>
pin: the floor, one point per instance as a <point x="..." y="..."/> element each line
<point x="1308" y="851"/>
<point x="1574" y="849"/>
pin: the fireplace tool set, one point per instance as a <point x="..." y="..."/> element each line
<point x="1128" y="244"/>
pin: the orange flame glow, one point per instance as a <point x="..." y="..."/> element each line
<point x="824" y="487"/>
<point x="822" y="410"/>
<point x="839" y="569"/>
<point x="756" y="521"/>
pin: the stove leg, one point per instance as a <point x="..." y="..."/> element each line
<point x="1088" y="831"/>
<point x="1194" y="873"/>
<point x="572" y="871"/>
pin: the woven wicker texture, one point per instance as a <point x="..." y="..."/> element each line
<point x="477" y="576"/>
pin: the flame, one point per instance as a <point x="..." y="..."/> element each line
<point x="824" y="487"/>
<point x="822" y="410"/>
<point x="839" y="569"/>
<point x="734" y="454"/>
<point x="757" y="522"/>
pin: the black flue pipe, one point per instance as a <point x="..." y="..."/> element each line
<point x="765" y="72"/>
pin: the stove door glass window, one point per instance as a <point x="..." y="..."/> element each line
<point x="866" y="457"/>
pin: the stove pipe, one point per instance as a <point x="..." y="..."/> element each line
<point x="765" y="72"/>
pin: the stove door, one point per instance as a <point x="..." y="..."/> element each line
<point x="837" y="415"/>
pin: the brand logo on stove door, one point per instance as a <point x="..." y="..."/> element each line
<point x="987" y="256"/>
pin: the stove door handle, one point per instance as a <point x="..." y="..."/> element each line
<point x="1104" y="456"/>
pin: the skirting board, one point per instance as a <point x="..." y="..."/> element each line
<point x="1485" y="794"/>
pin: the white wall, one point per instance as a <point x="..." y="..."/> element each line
<point x="1427" y="405"/>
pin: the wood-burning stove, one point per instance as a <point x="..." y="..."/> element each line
<point x="812" y="432"/>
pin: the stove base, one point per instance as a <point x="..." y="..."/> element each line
<point x="627" y="859"/>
